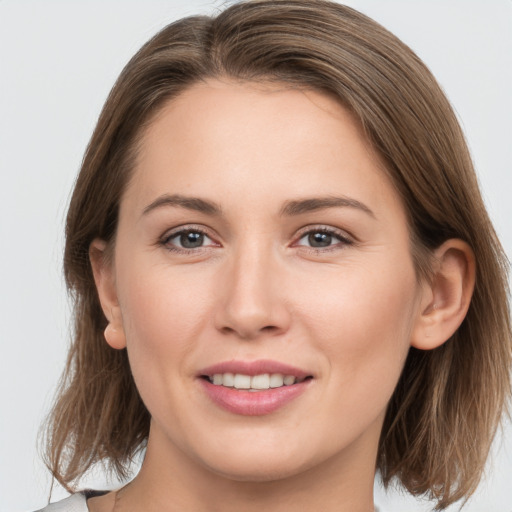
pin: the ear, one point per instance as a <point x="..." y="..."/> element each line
<point x="445" y="300"/>
<point x="104" y="277"/>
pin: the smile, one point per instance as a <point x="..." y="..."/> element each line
<point x="255" y="382"/>
<point x="253" y="388"/>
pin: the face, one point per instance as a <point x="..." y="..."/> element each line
<point x="260" y="244"/>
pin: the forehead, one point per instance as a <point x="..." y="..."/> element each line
<point x="249" y="112"/>
<point x="227" y="138"/>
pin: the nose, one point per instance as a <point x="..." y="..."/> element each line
<point x="251" y="299"/>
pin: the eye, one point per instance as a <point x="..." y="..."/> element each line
<point x="323" y="238"/>
<point x="187" y="239"/>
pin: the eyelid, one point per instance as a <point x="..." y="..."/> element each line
<point x="174" y="232"/>
<point x="344" y="237"/>
<point x="325" y="228"/>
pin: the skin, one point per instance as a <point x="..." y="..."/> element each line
<point x="346" y="312"/>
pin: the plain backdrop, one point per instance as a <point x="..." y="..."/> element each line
<point x="59" y="59"/>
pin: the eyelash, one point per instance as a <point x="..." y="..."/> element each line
<point x="343" y="239"/>
<point x="183" y="231"/>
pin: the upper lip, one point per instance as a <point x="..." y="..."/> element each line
<point x="252" y="368"/>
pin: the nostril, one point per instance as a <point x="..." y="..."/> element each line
<point x="248" y="333"/>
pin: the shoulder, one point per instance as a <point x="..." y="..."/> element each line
<point x="74" y="503"/>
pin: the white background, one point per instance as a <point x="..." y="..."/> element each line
<point x="58" y="61"/>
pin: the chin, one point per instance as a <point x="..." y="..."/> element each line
<point x="258" y="473"/>
<point x="260" y="464"/>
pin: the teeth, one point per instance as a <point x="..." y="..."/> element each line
<point x="260" y="381"/>
<point x="289" y="380"/>
<point x="254" y="383"/>
<point x="227" y="379"/>
<point x="276" y="380"/>
<point x="242" y="381"/>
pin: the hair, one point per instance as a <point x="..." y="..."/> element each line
<point x="448" y="403"/>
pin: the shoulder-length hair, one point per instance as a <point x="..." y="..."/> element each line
<point x="447" y="405"/>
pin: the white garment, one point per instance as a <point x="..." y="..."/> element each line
<point x="74" y="503"/>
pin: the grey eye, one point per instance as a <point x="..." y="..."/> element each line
<point x="191" y="239"/>
<point x="319" y="239"/>
<point x="188" y="239"/>
<point x="323" y="238"/>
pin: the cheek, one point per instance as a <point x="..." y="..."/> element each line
<point x="361" y="322"/>
<point x="163" y="313"/>
<point x="362" y="329"/>
<point x="163" y="316"/>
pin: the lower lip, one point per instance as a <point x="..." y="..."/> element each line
<point x="253" y="403"/>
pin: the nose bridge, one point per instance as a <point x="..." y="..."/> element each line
<point x="252" y="300"/>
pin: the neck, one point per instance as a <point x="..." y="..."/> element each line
<point x="170" y="480"/>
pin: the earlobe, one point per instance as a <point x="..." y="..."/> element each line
<point x="446" y="298"/>
<point x="104" y="278"/>
<point x="114" y="332"/>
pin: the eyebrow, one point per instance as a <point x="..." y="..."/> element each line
<point x="289" y="209"/>
<point x="190" y="203"/>
<point x="301" y="206"/>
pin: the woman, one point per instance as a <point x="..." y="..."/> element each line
<point x="284" y="274"/>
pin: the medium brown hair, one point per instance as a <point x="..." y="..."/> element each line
<point x="448" y="402"/>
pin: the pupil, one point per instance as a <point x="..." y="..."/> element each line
<point x="320" y="239"/>
<point x="191" y="240"/>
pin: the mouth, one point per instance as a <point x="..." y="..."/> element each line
<point x="253" y="388"/>
<point x="253" y="383"/>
